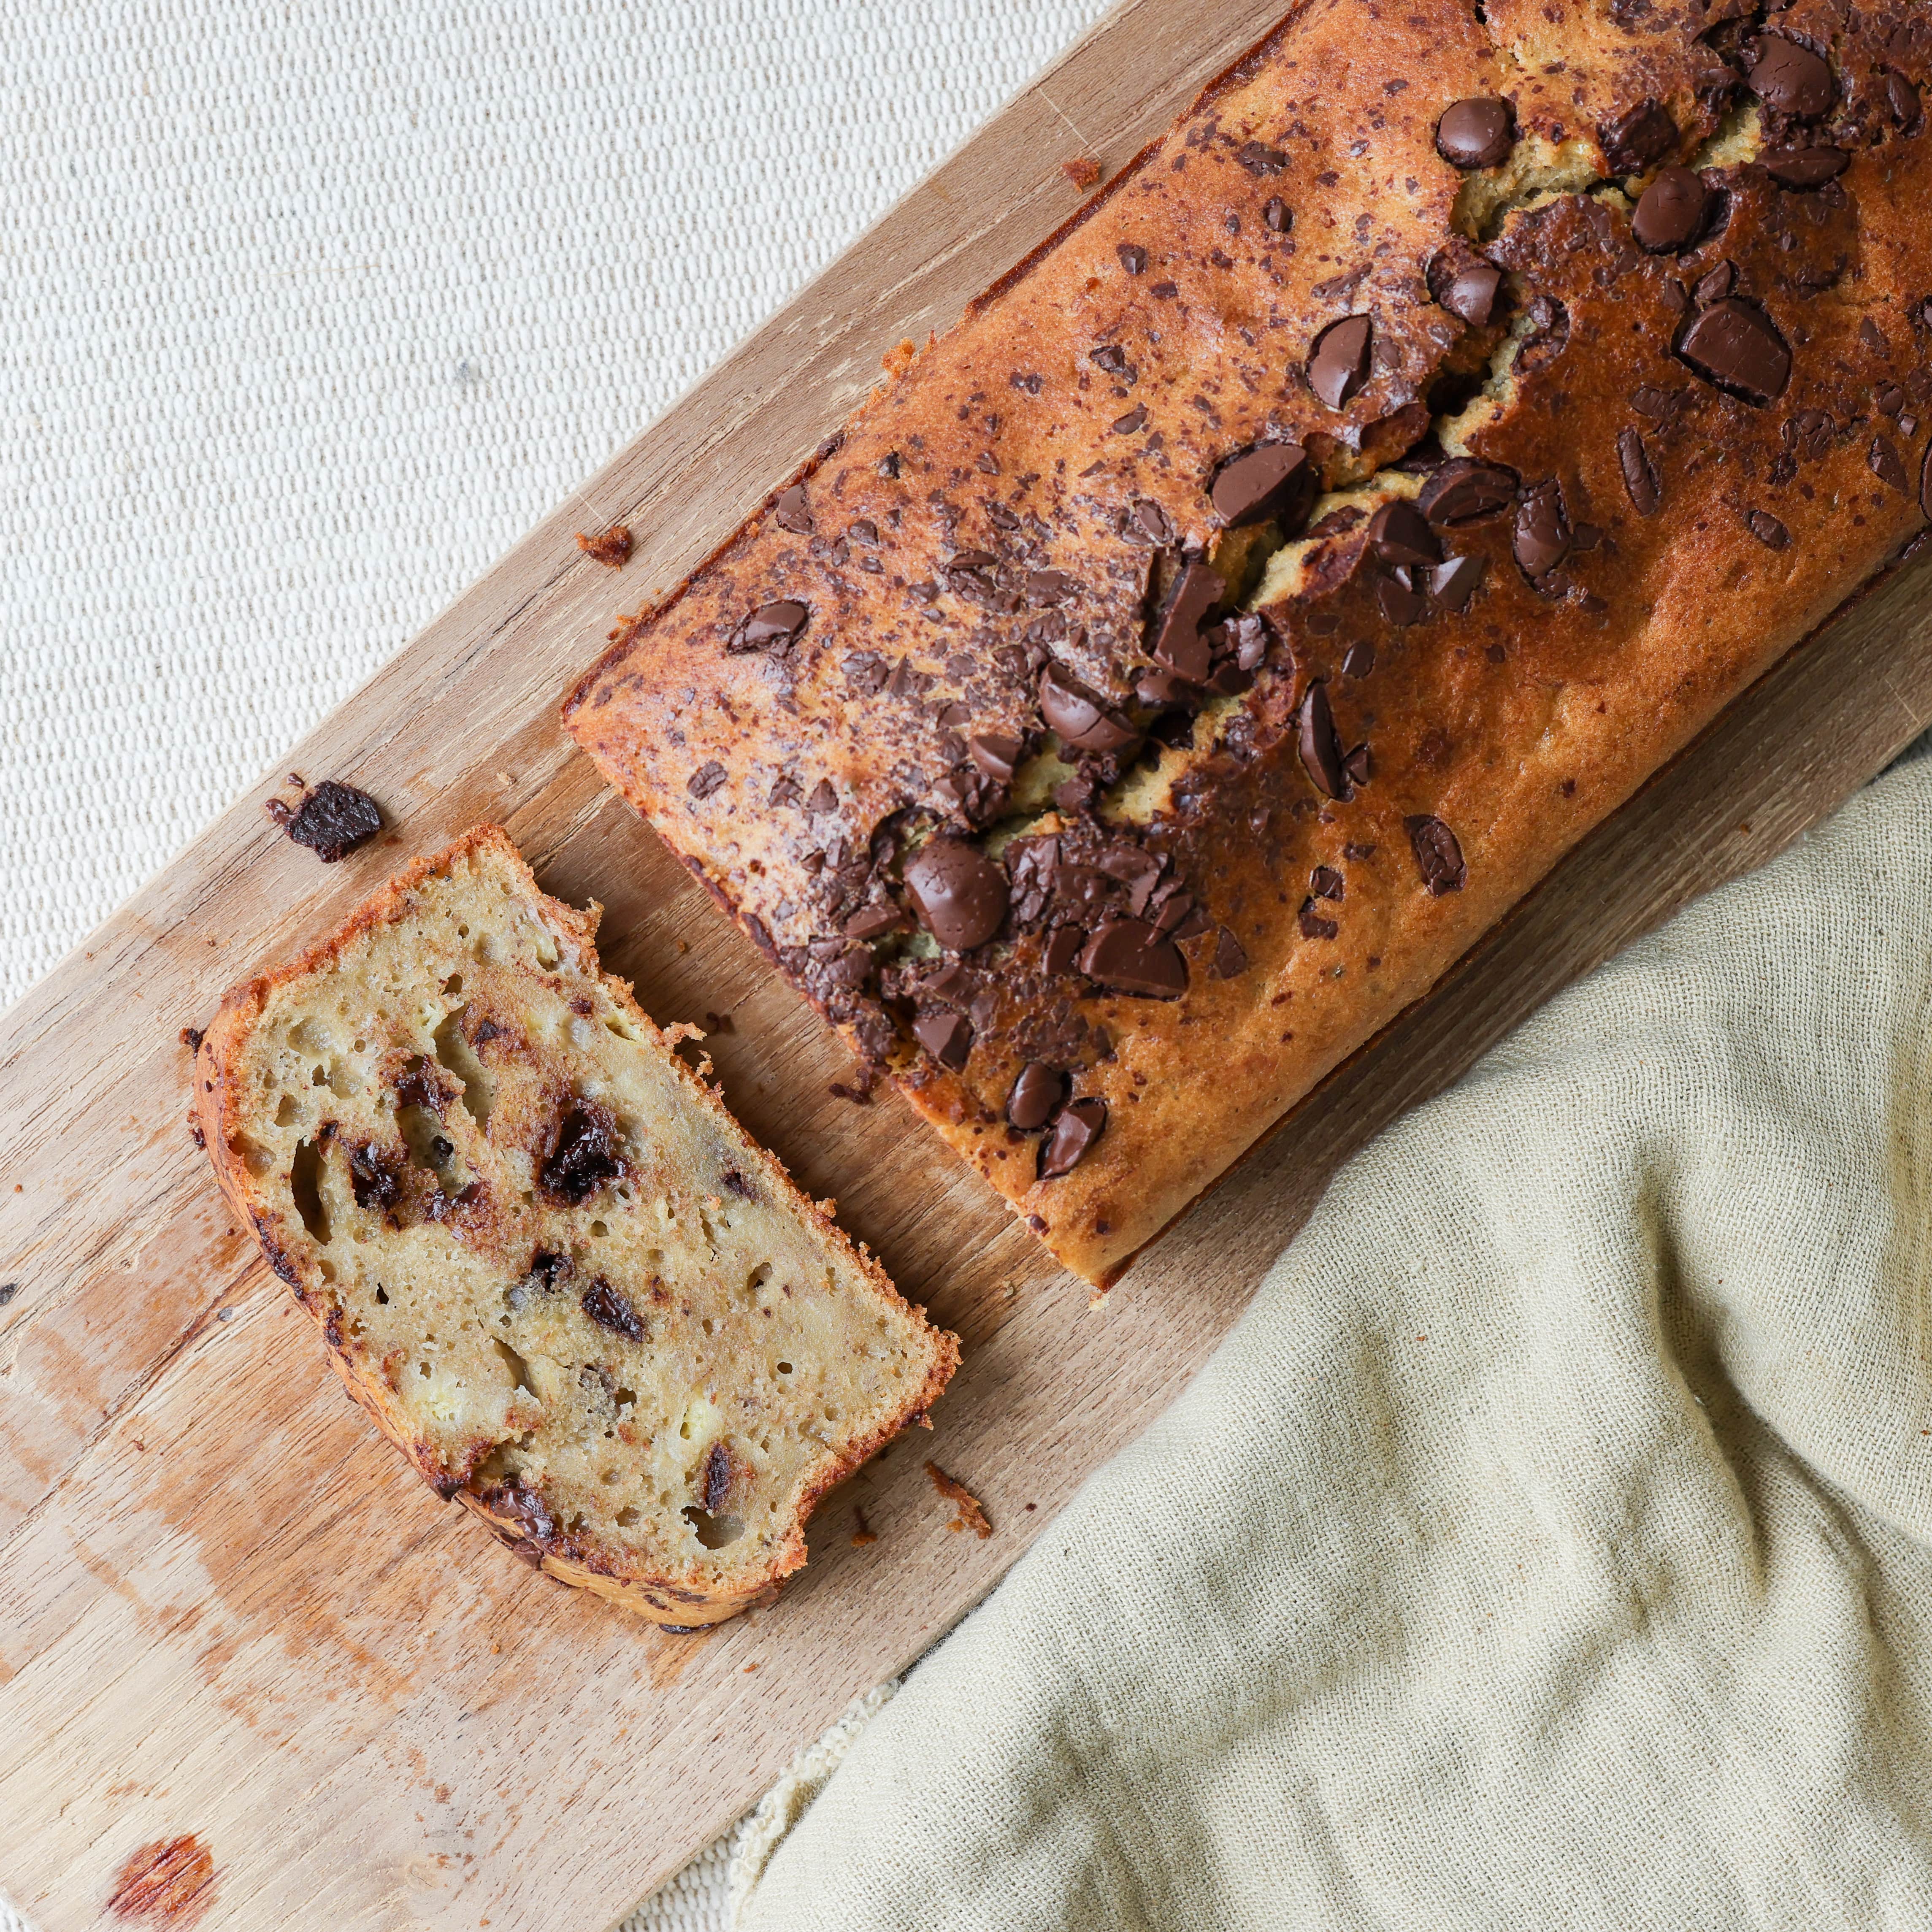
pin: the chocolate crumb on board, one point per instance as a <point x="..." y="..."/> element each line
<point x="863" y="1532"/>
<point x="971" y="1516"/>
<point x="191" y="1038"/>
<point x="333" y="820"/>
<point x="1083" y="171"/>
<point x="611" y="547"/>
<point x="8" y="1289"/>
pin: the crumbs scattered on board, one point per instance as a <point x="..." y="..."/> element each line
<point x="971" y="1516"/>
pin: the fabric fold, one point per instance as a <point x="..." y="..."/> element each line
<point x="1548" y="1544"/>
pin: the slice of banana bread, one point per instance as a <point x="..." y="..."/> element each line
<point x="546" y="1260"/>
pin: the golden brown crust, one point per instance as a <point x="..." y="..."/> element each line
<point x="1029" y="492"/>
<point x="218" y="1112"/>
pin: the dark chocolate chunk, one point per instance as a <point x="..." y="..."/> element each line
<point x="1063" y="948"/>
<point x="1278" y="215"/>
<point x="1716" y="284"/>
<point x="1325" y="883"/>
<point x="1358" y="661"/>
<point x="1472" y="292"/>
<point x="1542" y="538"/>
<point x="1883" y="460"/>
<point x="1128" y="955"/>
<point x="947" y="1037"/>
<point x="823" y="799"/>
<point x="1147" y="522"/>
<point x="1805" y="167"/>
<point x="1084" y="720"/>
<point x="792" y="512"/>
<point x="1177" y="641"/>
<point x="996" y="755"/>
<point x="1439" y="857"/>
<point x="1767" y="530"/>
<point x="708" y="777"/>
<point x="1320" y="744"/>
<point x="1790" y="78"/>
<point x="333" y="820"/>
<point x="1338" y="363"/>
<point x="1359" y="766"/>
<point x="959" y="894"/>
<point x="870" y="921"/>
<point x="1670" y="212"/>
<point x="1477" y="134"/>
<point x="1231" y="958"/>
<point x="1902" y="98"/>
<point x="1048" y="586"/>
<point x="1400" y="603"/>
<point x="375" y="1178"/>
<point x="1133" y="257"/>
<point x="1079" y="1125"/>
<point x="1639" y="473"/>
<point x="1312" y="925"/>
<point x="1273" y="481"/>
<point x="8" y="1289"/>
<point x="1035" y="1096"/>
<point x="608" y="1308"/>
<point x="771" y="627"/>
<point x="1633" y="140"/>
<point x="1462" y="491"/>
<point x="1258" y="158"/>
<point x="714" y="1484"/>
<point x="584" y="1157"/>
<point x="1453" y="583"/>
<point x="888" y="464"/>
<point x="1133" y="422"/>
<point x="1400" y="533"/>
<point x="1734" y="345"/>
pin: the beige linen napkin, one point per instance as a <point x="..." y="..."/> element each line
<point x="1548" y="1545"/>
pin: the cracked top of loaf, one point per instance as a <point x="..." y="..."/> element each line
<point x="1168" y="673"/>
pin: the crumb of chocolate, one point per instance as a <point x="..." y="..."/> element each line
<point x="191" y="1038"/>
<point x="8" y="1289"/>
<point x="860" y="1097"/>
<point x="332" y="820"/>
<point x="611" y="547"/>
<point x="1083" y="171"/>
<point x="195" y="1133"/>
<point x="971" y="1516"/>
<point x="863" y="1533"/>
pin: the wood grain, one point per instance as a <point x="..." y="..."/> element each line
<point x="228" y="1610"/>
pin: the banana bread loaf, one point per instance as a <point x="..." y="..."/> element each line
<point x="547" y="1262"/>
<point x="1168" y="673"/>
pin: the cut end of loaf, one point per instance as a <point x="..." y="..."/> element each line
<point x="545" y="1259"/>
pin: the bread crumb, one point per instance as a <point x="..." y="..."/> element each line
<point x="971" y="1516"/>
<point x="612" y="548"/>
<point x="1083" y="171"/>
<point x="864" y="1533"/>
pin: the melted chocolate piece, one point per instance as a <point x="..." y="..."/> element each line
<point x="946" y="1036"/>
<point x="1463" y="491"/>
<point x="1736" y="347"/>
<point x="771" y="627"/>
<point x="1079" y="1125"/>
<point x="1633" y="140"/>
<point x="1128" y="955"/>
<point x="1453" y="583"/>
<point x="1542" y="538"/>
<point x="1083" y="720"/>
<point x="584" y="1157"/>
<point x="1639" y="473"/>
<point x="1438" y="857"/>
<point x="1273" y="481"/>
<point x="609" y="1309"/>
<point x="334" y="820"/>
<point x="1320" y="744"/>
<point x="1037" y="1096"/>
<point x="375" y="1177"/>
<point x="1231" y="958"/>
<point x="1789" y="78"/>
<point x="1338" y="365"/>
<point x="1805" y="167"/>
<point x="1670" y="213"/>
<point x="791" y="512"/>
<point x="1177" y="641"/>
<point x="1477" y="134"/>
<point x="1471" y="293"/>
<point x="959" y="894"/>
<point x="997" y="755"/>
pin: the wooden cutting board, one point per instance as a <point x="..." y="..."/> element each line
<point x="231" y="1621"/>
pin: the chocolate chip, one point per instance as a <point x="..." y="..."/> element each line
<point x="1312" y="925"/>
<point x="1883" y="460"/>
<point x="959" y="894"/>
<point x="1338" y="363"/>
<point x="1735" y="346"/>
<point x="1439" y="857"/>
<point x="1320" y="744"/>
<point x="792" y="512"/>
<point x="1633" y="140"/>
<point x="1902" y="98"/>
<point x="1231" y="958"/>
<point x="1111" y="357"/>
<point x="1462" y="491"/>
<point x="1273" y="481"/>
<point x="1454" y="583"/>
<point x="1035" y="1095"/>
<point x="608" y="1307"/>
<point x="1805" y="167"/>
<point x="1063" y="948"/>
<point x="334" y="821"/>
<point x="1767" y="530"/>
<point x="375" y="1178"/>
<point x="1358" y="661"/>
<point x="1258" y="158"/>
<point x="946" y="1036"/>
<point x="1084" y="720"/>
<point x="1325" y="883"/>
<point x="8" y="1289"/>
<point x="823" y="799"/>
<point x="1359" y="766"/>
<point x="771" y="627"/>
<point x="1670" y="212"/>
<point x="1132" y="423"/>
<point x="1177" y="641"/>
<point x="1542" y="538"/>
<point x="1717" y="283"/>
<point x="1048" y="586"/>
<point x="889" y="464"/>
<point x="996" y="755"/>
<point x="1278" y="215"/>
<point x="870" y="921"/>
<point x="1789" y="78"/>
<point x="1400" y="533"/>
<point x="1471" y="294"/>
<point x="1079" y="1125"/>
<point x="1477" y="134"/>
<point x="584" y="1157"/>
<point x="1128" y="955"/>
<point x="1400" y="603"/>
<point x="1639" y="473"/>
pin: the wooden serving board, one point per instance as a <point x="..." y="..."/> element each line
<point x="230" y="1615"/>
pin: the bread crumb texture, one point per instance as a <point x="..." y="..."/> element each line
<point x="544" y="1257"/>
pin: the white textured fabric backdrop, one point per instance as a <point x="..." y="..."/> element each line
<point x="306" y="313"/>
